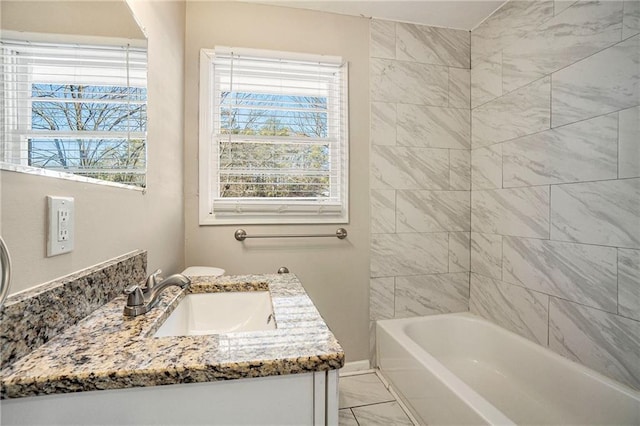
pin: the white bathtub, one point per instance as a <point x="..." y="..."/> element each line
<point x="461" y="369"/>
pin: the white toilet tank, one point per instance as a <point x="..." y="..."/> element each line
<point x="199" y="271"/>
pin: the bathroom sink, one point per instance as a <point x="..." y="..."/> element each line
<point x="216" y="313"/>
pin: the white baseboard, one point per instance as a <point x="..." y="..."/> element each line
<point x="355" y="367"/>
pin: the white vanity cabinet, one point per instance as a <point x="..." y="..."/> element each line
<point x="294" y="399"/>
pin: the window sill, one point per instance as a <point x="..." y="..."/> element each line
<point x="66" y="176"/>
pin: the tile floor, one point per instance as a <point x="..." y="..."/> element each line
<point x="365" y="401"/>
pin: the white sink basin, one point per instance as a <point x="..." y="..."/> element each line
<point x="216" y="313"/>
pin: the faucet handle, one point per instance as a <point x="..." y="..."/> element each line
<point x="153" y="279"/>
<point x="135" y="295"/>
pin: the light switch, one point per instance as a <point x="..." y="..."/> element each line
<point x="61" y="220"/>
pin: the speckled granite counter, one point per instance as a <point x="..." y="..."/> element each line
<point x="109" y="351"/>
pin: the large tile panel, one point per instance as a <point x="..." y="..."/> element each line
<point x="460" y="169"/>
<point x="511" y="22"/>
<point x="433" y="127"/>
<point x="602" y="341"/>
<point x="381" y="295"/>
<point x="459" y="246"/>
<point x="409" y="254"/>
<point x="383" y="211"/>
<point x="629" y="135"/>
<point x="459" y="88"/>
<point x="519" y="113"/>
<point x="606" y="213"/>
<point x="629" y="283"/>
<point x="515" y="308"/>
<point x="432" y="211"/>
<point x="382" y="39"/>
<point x="431" y="294"/>
<point x="383" y="123"/>
<point x="631" y="18"/>
<point x="486" y="254"/>
<point x="486" y="79"/>
<point x="433" y="45"/>
<point x="409" y="82"/>
<point x="581" y="273"/>
<point x="522" y="212"/>
<point x="486" y="167"/>
<point x="409" y="168"/>
<point x="583" y="151"/>
<point x="581" y="30"/>
<point x="602" y="83"/>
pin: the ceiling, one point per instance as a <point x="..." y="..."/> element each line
<point x="459" y="14"/>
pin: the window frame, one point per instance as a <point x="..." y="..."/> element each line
<point x="269" y="210"/>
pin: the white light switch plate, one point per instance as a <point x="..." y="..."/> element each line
<point x="60" y="233"/>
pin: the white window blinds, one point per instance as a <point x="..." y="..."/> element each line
<point x="278" y="137"/>
<point x="75" y="108"/>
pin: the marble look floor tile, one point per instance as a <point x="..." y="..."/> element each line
<point x="580" y="273"/>
<point x="486" y="254"/>
<point x="602" y="341"/>
<point x="431" y="294"/>
<point x="409" y="168"/>
<point x="628" y="137"/>
<point x="521" y="212"/>
<point x="605" y="213"/>
<point x="486" y="79"/>
<point x="459" y="88"/>
<point x="381" y="298"/>
<point x="515" y="308"/>
<point x="459" y="169"/>
<point x="409" y="254"/>
<point x="383" y="123"/>
<point x="409" y="82"/>
<point x="629" y="283"/>
<point x="602" y="83"/>
<point x="583" y="151"/>
<point x="433" y="45"/>
<point x="486" y="167"/>
<point x="459" y="254"/>
<point x="432" y="211"/>
<point x="519" y="113"/>
<point x="383" y="211"/>
<point x="386" y="414"/>
<point x="362" y="389"/>
<point x="631" y="18"/>
<point x="580" y="31"/>
<point x="508" y="24"/>
<point x="346" y="418"/>
<point x="382" y="39"/>
<point x="433" y="127"/>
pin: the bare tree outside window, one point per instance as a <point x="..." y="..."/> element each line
<point x="286" y="157"/>
<point x="94" y="131"/>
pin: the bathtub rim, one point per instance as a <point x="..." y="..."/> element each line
<point x="480" y="405"/>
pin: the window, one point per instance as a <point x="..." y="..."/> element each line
<point x="273" y="137"/>
<point x="72" y="108"/>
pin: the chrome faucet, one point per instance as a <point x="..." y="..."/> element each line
<point x="140" y="300"/>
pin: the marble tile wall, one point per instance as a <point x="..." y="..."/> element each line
<point x="555" y="175"/>
<point x="420" y="173"/>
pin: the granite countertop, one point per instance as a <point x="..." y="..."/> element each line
<point x="107" y="350"/>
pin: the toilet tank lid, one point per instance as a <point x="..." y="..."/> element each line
<point x="198" y="271"/>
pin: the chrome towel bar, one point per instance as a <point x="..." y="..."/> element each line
<point x="241" y="235"/>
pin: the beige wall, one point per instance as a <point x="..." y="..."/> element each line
<point x="94" y="18"/>
<point x="111" y="221"/>
<point x="334" y="273"/>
